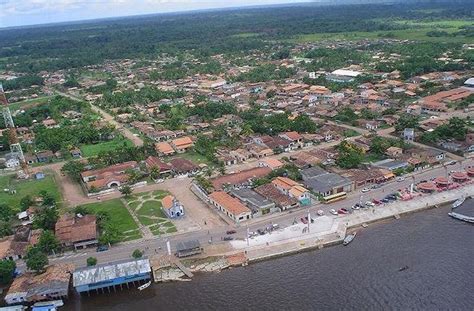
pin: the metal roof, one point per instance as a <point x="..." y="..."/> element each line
<point x="106" y="272"/>
<point x="187" y="245"/>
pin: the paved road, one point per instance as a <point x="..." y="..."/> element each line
<point x="215" y="233"/>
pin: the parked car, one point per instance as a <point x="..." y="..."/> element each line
<point x="228" y="238"/>
<point x="260" y="231"/>
<point x="303" y="220"/>
<point x="369" y="204"/>
<point x="385" y="200"/>
<point x="376" y="202"/>
<point x="365" y="190"/>
<point x="400" y="178"/>
<point x="333" y="211"/>
<point x="451" y="162"/>
<point x="342" y="211"/>
<point x="102" y="248"/>
<point x="231" y="232"/>
<point x="320" y="212"/>
<point x="376" y="186"/>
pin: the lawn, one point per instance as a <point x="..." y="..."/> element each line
<point x="119" y="217"/>
<point x="30" y="187"/>
<point x="418" y="31"/>
<point x="94" y="149"/>
<point x="147" y="208"/>
<point x="29" y="102"/>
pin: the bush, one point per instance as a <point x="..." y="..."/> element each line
<point x="137" y="254"/>
<point x="91" y="261"/>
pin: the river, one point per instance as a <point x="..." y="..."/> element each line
<point x="364" y="275"/>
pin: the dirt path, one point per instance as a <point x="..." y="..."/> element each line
<point x="145" y="231"/>
<point x="136" y="140"/>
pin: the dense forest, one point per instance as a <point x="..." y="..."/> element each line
<point x="31" y="50"/>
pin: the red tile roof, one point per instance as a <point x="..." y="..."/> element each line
<point x="71" y="229"/>
<point x="240" y="177"/>
<point x="232" y="205"/>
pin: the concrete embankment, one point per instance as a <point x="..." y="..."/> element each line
<point x="336" y="234"/>
<point x="325" y="231"/>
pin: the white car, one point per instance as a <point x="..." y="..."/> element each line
<point x="399" y="179"/>
<point x="320" y="212"/>
<point x="333" y="211"/>
<point x="370" y="204"/>
<point x="159" y="181"/>
<point x="365" y="190"/>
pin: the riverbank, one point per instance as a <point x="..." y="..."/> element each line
<point x="325" y="231"/>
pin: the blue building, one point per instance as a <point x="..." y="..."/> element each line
<point x="112" y="276"/>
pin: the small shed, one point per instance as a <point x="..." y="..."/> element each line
<point x="188" y="248"/>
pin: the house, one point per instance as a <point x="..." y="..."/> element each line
<point x="284" y="184"/>
<point x="50" y="123"/>
<point x="293" y="189"/>
<point x="282" y="201"/>
<point x="271" y="163"/>
<point x="12" y="248"/>
<point x="164" y="149"/>
<point x="372" y="125"/>
<point x="172" y="207"/>
<point x="182" y="166"/>
<point x="45" y="156"/>
<point x="109" y="177"/>
<point x="409" y="134"/>
<point x="391" y="164"/>
<point x="325" y="183"/>
<point x="240" y="179"/>
<point x="50" y="285"/>
<point x="294" y="137"/>
<point x="163" y="167"/>
<point x="394" y="152"/>
<point x="188" y="248"/>
<point x="256" y="202"/>
<point x="343" y="75"/>
<point x="79" y="231"/>
<point x="301" y="194"/>
<point x="182" y="144"/>
<point x="111" y="274"/>
<point x="259" y="151"/>
<point x="230" y="206"/>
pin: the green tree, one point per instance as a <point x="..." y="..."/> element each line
<point x="48" y="243"/>
<point x="45" y="218"/>
<point x="126" y="191"/>
<point x="137" y="254"/>
<point x="48" y="199"/>
<point x="155" y="172"/>
<point x="6" y="212"/>
<point x="26" y="202"/>
<point x="36" y="260"/>
<point x="350" y="156"/>
<point x="73" y="169"/>
<point x="91" y="261"/>
<point x="109" y="235"/>
<point x="5" y="228"/>
<point x="7" y="269"/>
<point x="406" y="121"/>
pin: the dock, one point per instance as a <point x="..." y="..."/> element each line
<point x="185" y="270"/>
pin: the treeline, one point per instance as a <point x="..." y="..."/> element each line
<point x="144" y="96"/>
<point x="22" y="82"/>
<point x="31" y="50"/>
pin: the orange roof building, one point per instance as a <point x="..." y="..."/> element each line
<point x="164" y="148"/>
<point x="182" y="144"/>
<point x="78" y="231"/>
<point x="230" y="206"/>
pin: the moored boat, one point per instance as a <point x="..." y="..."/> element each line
<point x="462" y="217"/>
<point x="459" y="202"/>
<point x="144" y="286"/>
<point x="349" y="238"/>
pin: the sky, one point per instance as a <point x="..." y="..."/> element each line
<point x="30" y="12"/>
